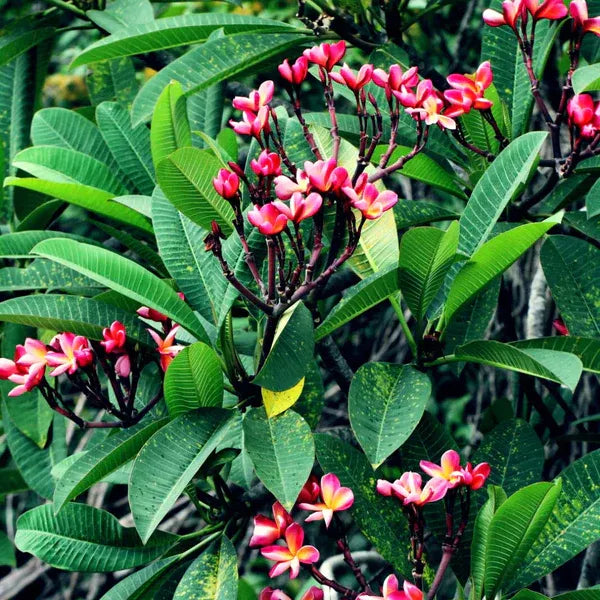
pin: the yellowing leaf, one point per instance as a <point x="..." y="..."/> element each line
<point x="278" y="402"/>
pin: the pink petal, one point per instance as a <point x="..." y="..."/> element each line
<point x="294" y="536"/>
<point x="277" y="553"/>
<point x="308" y="554"/>
<point x="343" y="499"/>
<point x="330" y="483"/>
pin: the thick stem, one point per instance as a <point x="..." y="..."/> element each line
<point x="342" y="544"/>
<point x="334" y="585"/>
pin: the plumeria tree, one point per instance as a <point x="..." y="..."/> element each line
<point x="300" y="305"/>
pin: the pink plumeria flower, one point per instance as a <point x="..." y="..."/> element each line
<point x="154" y="315"/>
<point x="448" y="469"/>
<point x="366" y="198"/>
<point x="28" y="367"/>
<point x="395" y="78"/>
<point x="475" y="477"/>
<point x="257" y="98"/>
<point x="167" y="348"/>
<point x="267" y="531"/>
<point x="226" y="184"/>
<point x="548" y="9"/>
<point x="300" y="207"/>
<point x="252" y="124"/>
<point x="267" y="219"/>
<point x="582" y="23"/>
<point x="115" y="337"/>
<point x="268" y="164"/>
<point x="31" y="352"/>
<point x="430" y="112"/>
<point x="7" y="368"/>
<point x="354" y="81"/>
<point x="390" y="591"/>
<point x="414" y="99"/>
<point x="409" y="489"/>
<point x="27" y="379"/>
<point x="326" y="176"/>
<point x="584" y="114"/>
<point x="334" y="498"/>
<point x="511" y="11"/>
<point x="285" y="187"/>
<point x="123" y="366"/>
<point x="310" y="492"/>
<point x="326" y="55"/>
<point x="295" y="73"/>
<point x="75" y="352"/>
<point x="469" y="90"/>
<point x="292" y="555"/>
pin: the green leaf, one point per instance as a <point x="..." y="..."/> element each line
<point x="359" y="298"/>
<point x="385" y="404"/>
<point x="492" y="259"/>
<point x="112" y="80"/>
<point x="186" y="177"/>
<point x="11" y="482"/>
<point x="205" y="113"/>
<point x="292" y="350"/>
<point x="104" y="458"/>
<point x="86" y="539"/>
<point x="170" y="129"/>
<point x="194" y="380"/>
<point x="573" y="525"/>
<point x="212" y="576"/>
<point x="481" y="530"/>
<point x="377" y="517"/>
<point x="122" y="13"/>
<point x="513" y="529"/>
<point x="586" y="349"/>
<point x="32" y="416"/>
<point x="426" y="254"/>
<point x="581" y="221"/>
<point x="171" y="32"/>
<point x="586" y="79"/>
<point x="20" y="244"/>
<point x="514" y="453"/>
<point x="222" y="58"/>
<point x="42" y="215"/>
<point x="123" y="276"/>
<point x="7" y="552"/>
<point x="130" y="146"/>
<point x="19" y="36"/>
<point x="592" y="200"/>
<point x="572" y="270"/>
<point x="82" y="316"/>
<point x="409" y="213"/>
<point x="562" y="367"/>
<point x="282" y="450"/>
<point x="181" y="447"/>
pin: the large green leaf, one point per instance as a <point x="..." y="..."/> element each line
<point x="20" y="243"/>
<point x="170" y="32"/>
<point x="212" y="576"/>
<point x="83" y="316"/>
<point x="194" y="380"/>
<point x="409" y="213"/>
<point x="359" y="298"/>
<point x="32" y="416"/>
<point x="282" y="450"/>
<point x="186" y="177"/>
<point x="562" y="367"/>
<point x="426" y="254"/>
<point x="86" y="539"/>
<point x="222" y="58"/>
<point x="7" y="552"/>
<point x="180" y="448"/>
<point x="492" y="259"/>
<point x="385" y="404"/>
<point x="123" y="276"/>
<point x="170" y="128"/>
<point x="573" y="525"/>
<point x="513" y="529"/>
<point x="572" y="270"/>
<point x="205" y="112"/>
<point x="113" y="79"/>
<point x="122" y="13"/>
<point x="130" y="146"/>
<point x="586" y="79"/>
<point x="11" y="482"/>
<point x="103" y="459"/>
<point x="291" y="352"/>
<point x="21" y="35"/>
<point x="514" y="453"/>
<point x="377" y="517"/>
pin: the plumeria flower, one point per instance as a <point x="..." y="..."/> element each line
<point x="115" y="337"/>
<point x="469" y="90"/>
<point x="450" y="470"/>
<point x="334" y="498"/>
<point x="391" y="592"/>
<point x="123" y="365"/>
<point x="256" y="99"/>
<point x="326" y="55"/>
<point x="292" y="555"/>
<point x="414" y="99"/>
<point x="154" y="315"/>
<point x="267" y="164"/>
<point x="326" y="176"/>
<point x="226" y="184"/>
<point x="310" y="491"/>
<point x="582" y="23"/>
<point x="251" y="123"/>
<point x="167" y="348"/>
<point x="395" y="78"/>
<point x="548" y="9"/>
<point x="26" y="378"/>
<point x="295" y="73"/>
<point x="267" y="531"/>
<point x="430" y="113"/>
<point x="560" y="327"/>
<point x="354" y="81"/>
<point x="286" y="187"/>
<point x="366" y="198"/>
<point x="314" y="593"/>
<point x="584" y="114"/>
<point x="409" y="489"/>
<point x="31" y="352"/>
<point x="475" y="477"/>
<point x="72" y="352"/>
<point x="267" y="219"/>
<point x="300" y="207"/>
<point x="511" y="11"/>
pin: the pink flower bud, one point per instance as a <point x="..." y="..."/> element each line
<point x="295" y="73"/>
<point x="560" y="327"/>
<point x="354" y="81"/>
<point x="7" y="368"/>
<point x="267" y="219"/>
<point x="114" y="336"/>
<point x="226" y="184"/>
<point x="300" y="207"/>
<point x="493" y="18"/>
<point x="123" y="366"/>
<point x="326" y="55"/>
<point x="580" y="110"/>
<point x="268" y="164"/>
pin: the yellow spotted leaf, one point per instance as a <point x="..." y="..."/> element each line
<point x="278" y="402"/>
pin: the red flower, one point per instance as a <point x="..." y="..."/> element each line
<point x="115" y="337"/>
<point x="468" y="91"/>
<point x="267" y="531"/>
<point x="267" y="219"/>
<point x="167" y="348"/>
<point x="251" y="123"/>
<point x="300" y="207"/>
<point x="582" y="23"/>
<point x="354" y="81"/>
<point x="548" y="9"/>
<point x="295" y="73"/>
<point x="292" y="554"/>
<point x="267" y="164"/>
<point x="409" y="489"/>
<point x="511" y="11"/>
<point x="256" y="99"/>
<point x="366" y="198"/>
<point x="311" y="490"/>
<point x="391" y="592"/>
<point x="154" y="315"/>
<point x="74" y="352"/>
<point x="334" y="498"/>
<point x="326" y="55"/>
<point x="226" y="184"/>
<point x="326" y="176"/>
<point x="560" y="327"/>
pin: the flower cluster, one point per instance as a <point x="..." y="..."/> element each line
<point x="584" y="115"/>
